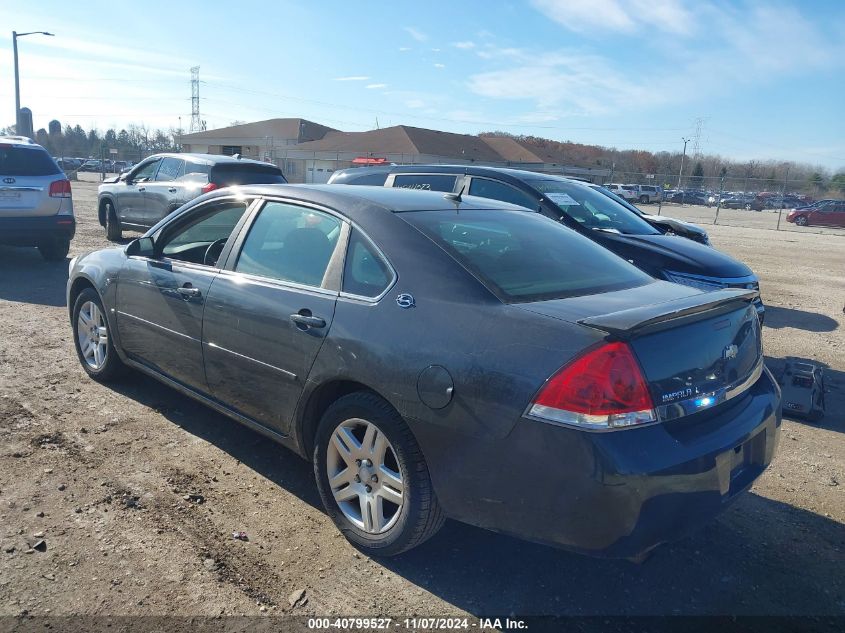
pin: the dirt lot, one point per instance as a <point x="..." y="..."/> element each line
<point x="102" y="475"/>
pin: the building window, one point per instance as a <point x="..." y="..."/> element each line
<point x="231" y="150"/>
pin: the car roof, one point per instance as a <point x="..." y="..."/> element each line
<point x="395" y="200"/>
<point x="477" y="170"/>
<point x="211" y="159"/>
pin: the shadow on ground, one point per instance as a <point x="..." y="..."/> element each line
<point x="777" y="317"/>
<point x="760" y="557"/>
<point x="25" y="277"/>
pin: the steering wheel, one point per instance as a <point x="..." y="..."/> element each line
<point x="213" y="251"/>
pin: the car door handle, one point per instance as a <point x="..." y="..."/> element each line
<point x="188" y="291"/>
<point x="305" y="321"/>
<point x="142" y="188"/>
<point x="172" y="189"/>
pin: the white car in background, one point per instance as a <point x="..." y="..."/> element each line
<point x="623" y="191"/>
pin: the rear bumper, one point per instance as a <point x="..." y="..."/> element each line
<point x="32" y="231"/>
<point x="615" y="494"/>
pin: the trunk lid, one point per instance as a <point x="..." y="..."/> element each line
<point x="696" y="349"/>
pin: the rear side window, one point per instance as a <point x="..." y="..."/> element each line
<point x="500" y="191"/>
<point x="425" y="182"/>
<point x="290" y="243"/>
<point x="365" y="273"/>
<point x="26" y="161"/>
<point x="526" y="256"/>
<point x="376" y="180"/>
<point x="171" y="169"/>
<point x="227" y="174"/>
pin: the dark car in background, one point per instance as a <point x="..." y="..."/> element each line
<point x="690" y="197"/>
<point x="582" y="209"/>
<point x="442" y="356"/>
<point x="162" y="183"/>
<point x="36" y="203"/>
<point x="749" y="202"/>
<point x="669" y="226"/>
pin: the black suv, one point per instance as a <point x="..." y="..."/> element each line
<point x="578" y="206"/>
<point x="139" y="198"/>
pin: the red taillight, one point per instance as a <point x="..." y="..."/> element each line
<point x="209" y="187"/>
<point x="60" y="189"/>
<point x="602" y="389"/>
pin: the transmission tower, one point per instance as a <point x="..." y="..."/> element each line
<point x="696" y="142"/>
<point x="197" y="124"/>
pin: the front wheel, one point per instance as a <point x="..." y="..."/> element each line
<point x="801" y="220"/>
<point x="643" y="199"/>
<point x="114" y="232"/>
<point x="92" y="338"/>
<point x="373" y="478"/>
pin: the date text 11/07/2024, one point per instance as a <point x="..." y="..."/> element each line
<point x="502" y="624"/>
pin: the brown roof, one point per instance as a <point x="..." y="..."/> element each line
<point x="404" y="139"/>
<point x="300" y="129"/>
<point x="511" y="150"/>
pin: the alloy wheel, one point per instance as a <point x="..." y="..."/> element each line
<point x="93" y="335"/>
<point x="364" y="476"/>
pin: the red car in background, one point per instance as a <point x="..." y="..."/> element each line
<point x="832" y="213"/>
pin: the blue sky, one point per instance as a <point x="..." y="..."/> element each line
<point x="766" y="77"/>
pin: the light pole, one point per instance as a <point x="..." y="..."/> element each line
<point x="15" y="36"/>
<point x="684" y="155"/>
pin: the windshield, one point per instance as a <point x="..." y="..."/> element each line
<point x="526" y="256"/>
<point x="591" y="209"/>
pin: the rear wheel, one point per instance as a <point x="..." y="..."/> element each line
<point x="373" y="478"/>
<point x="54" y="250"/>
<point x="92" y="338"/>
<point x="644" y="199"/>
<point x="748" y="207"/>
<point x="801" y="220"/>
<point x="113" y="230"/>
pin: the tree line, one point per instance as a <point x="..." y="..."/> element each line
<point x="706" y="171"/>
<point x="133" y="142"/>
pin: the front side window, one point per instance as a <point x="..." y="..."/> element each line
<point x="146" y="171"/>
<point x="290" y="243"/>
<point x="202" y="236"/>
<point x="171" y="169"/>
<point x="526" y="256"/>
<point x="486" y="188"/>
<point x="425" y="182"/>
<point x="364" y="273"/>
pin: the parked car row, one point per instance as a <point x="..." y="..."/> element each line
<point x="92" y="164"/>
<point x="644" y="194"/>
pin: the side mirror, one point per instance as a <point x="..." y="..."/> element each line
<point x="142" y="247"/>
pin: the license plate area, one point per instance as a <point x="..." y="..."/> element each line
<point x="747" y="461"/>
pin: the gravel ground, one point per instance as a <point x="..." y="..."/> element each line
<point x="102" y="477"/>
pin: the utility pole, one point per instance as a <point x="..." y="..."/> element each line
<point x="683" y="156"/>
<point x="196" y="122"/>
<point x="15" y="36"/>
<point x="782" y="194"/>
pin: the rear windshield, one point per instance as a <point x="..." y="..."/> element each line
<point x="525" y="256"/>
<point x="227" y="174"/>
<point x="26" y="161"/>
<point x="591" y="209"/>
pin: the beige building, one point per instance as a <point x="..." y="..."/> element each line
<point x="310" y="152"/>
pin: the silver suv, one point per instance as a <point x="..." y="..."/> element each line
<point x="645" y="194"/>
<point x="158" y="185"/>
<point x="36" y="207"/>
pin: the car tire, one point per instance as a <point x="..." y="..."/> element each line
<point x="359" y="428"/>
<point x="801" y="220"/>
<point x="55" y="250"/>
<point x="643" y="199"/>
<point x="98" y="357"/>
<point x="748" y="207"/>
<point x="114" y="232"/>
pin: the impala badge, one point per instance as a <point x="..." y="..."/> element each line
<point x="405" y="301"/>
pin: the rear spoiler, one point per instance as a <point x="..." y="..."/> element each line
<point x="625" y="323"/>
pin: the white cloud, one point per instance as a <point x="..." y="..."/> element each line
<point x="464" y="45"/>
<point x="625" y="16"/>
<point x="570" y="83"/>
<point x="440" y="65"/>
<point x="403" y="49"/>
<point x="352" y="78"/>
<point x="376" y="86"/>
<point x="435" y="50"/>
<point x="416" y="33"/>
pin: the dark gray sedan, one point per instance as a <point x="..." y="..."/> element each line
<point x="444" y="357"/>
